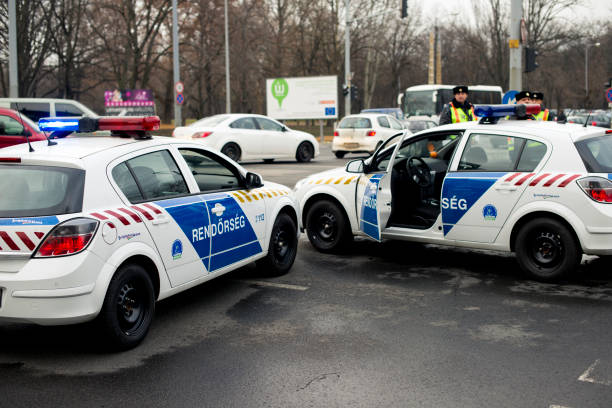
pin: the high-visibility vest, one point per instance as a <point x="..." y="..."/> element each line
<point x="459" y="115"/>
<point x="543" y="115"/>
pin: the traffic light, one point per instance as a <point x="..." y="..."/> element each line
<point x="404" y="8"/>
<point x="530" y="59"/>
<point x="354" y="93"/>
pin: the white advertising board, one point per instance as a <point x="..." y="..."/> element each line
<point x="302" y="97"/>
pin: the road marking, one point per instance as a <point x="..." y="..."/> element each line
<point x="558" y="406"/>
<point x="586" y="376"/>
<point x="276" y="285"/>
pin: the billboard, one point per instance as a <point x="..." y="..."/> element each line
<point x="302" y="97"/>
<point x="129" y="102"/>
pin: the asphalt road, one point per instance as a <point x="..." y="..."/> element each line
<point x="383" y="325"/>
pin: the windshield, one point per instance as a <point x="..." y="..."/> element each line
<point x="355" y="122"/>
<point x="32" y="191"/>
<point x="419" y="103"/>
<point x="210" y="121"/>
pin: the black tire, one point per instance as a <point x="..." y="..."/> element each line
<point x="327" y="227"/>
<point x="268" y="161"/>
<point x="304" y="152"/>
<point x="282" y="248"/>
<point x="128" y="308"/>
<point x="232" y="150"/>
<point x="340" y="155"/>
<point x="547" y="250"/>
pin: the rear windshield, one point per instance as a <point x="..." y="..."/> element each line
<point x="596" y="153"/>
<point x="355" y="123"/>
<point x="210" y="121"/>
<point x="32" y="191"/>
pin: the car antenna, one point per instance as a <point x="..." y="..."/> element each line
<point x="26" y="133"/>
<point x="587" y="119"/>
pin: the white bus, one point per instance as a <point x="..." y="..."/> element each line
<point x="429" y="100"/>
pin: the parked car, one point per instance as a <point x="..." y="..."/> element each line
<point x="36" y="108"/>
<point x="13" y="128"/>
<point x="600" y="120"/>
<point x="100" y="228"/>
<point x="364" y="133"/>
<point x="248" y="137"/>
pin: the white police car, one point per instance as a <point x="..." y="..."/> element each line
<point x="105" y="226"/>
<point x="540" y="189"/>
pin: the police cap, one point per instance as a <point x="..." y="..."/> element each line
<point x="523" y="94"/>
<point x="537" y="95"/>
<point x="459" y="89"/>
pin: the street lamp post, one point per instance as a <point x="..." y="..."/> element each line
<point x="586" y="68"/>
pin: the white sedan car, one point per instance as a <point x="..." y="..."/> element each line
<point x="540" y="189"/>
<point x="364" y="133"/>
<point x="103" y="227"/>
<point x="250" y="137"/>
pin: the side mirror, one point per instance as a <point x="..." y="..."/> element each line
<point x="253" y="180"/>
<point x="284" y="129"/>
<point x="355" y="166"/>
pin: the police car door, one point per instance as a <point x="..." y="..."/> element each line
<point x="235" y="220"/>
<point x="373" y="197"/>
<point x="486" y="180"/>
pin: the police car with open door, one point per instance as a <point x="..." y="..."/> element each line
<point x="540" y="189"/>
<point x="102" y="227"/>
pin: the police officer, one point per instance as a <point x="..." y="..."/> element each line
<point x="459" y="109"/>
<point x="523" y="98"/>
<point x="538" y="97"/>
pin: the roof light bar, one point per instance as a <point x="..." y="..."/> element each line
<point x="492" y="113"/>
<point x="124" y="126"/>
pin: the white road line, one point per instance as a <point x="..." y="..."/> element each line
<point x="557" y="406"/>
<point x="276" y="285"/>
<point x="586" y="376"/>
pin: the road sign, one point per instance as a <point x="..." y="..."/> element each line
<point x="509" y="97"/>
<point x="179" y="87"/>
<point x="609" y="95"/>
<point x="180" y="99"/>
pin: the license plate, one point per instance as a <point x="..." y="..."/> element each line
<point x="351" y="145"/>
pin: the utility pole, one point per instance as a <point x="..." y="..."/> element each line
<point x="228" y="95"/>
<point x="438" y="57"/>
<point x="516" y="62"/>
<point x="13" y="76"/>
<point x="347" y="57"/>
<point x="175" y="61"/>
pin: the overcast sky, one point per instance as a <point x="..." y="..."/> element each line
<point x="443" y="10"/>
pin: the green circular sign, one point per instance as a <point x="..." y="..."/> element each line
<point x="280" y="89"/>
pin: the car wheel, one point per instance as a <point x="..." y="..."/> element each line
<point x="305" y="152"/>
<point x="268" y="161"/>
<point x="340" y="154"/>
<point x="282" y="248"/>
<point x="327" y="227"/>
<point x="128" y="308"/>
<point x="231" y="150"/>
<point x="547" y="250"/>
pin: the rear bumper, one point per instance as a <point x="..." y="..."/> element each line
<point x="362" y="145"/>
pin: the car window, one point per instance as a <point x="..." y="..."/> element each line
<point x="156" y="175"/>
<point x="395" y="124"/>
<point x="267" y="124"/>
<point x="532" y="154"/>
<point x="596" y="153"/>
<point x="66" y="109"/>
<point x="32" y="191"/>
<point x="383" y="121"/>
<point x="243" y="123"/>
<point x="209" y="171"/>
<point x="437" y="146"/>
<point x="485" y="152"/>
<point x="10" y="126"/>
<point x="125" y="181"/>
<point x="355" y="123"/>
<point x="210" y="121"/>
<point x="33" y="110"/>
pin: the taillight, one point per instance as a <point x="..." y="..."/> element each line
<point x="597" y="188"/>
<point x="68" y="238"/>
<point x="609" y="131"/>
<point x="593" y="123"/>
<point x="336" y="133"/>
<point x="371" y="133"/>
<point x="198" y="135"/>
<point x="10" y="159"/>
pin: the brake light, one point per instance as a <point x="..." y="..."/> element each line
<point x="593" y="123"/>
<point x="336" y="133"/>
<point x="597" y="188"/>
<point x="68" y="238"/>
<point x="609" y="131"/>
<point x="198" y="135"/>
<point x="10" y="159"/>
<point x="371" y="133"/>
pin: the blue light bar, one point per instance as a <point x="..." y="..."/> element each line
<point x="501" y="111"/>
<point x="64" y="124"/>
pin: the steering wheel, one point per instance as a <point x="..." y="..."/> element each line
<point x="419" y="171"/>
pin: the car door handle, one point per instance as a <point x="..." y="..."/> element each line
<point x="160" y="220"/>
<point x="510" y="187"/>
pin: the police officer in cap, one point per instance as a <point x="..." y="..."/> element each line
<point x="523" y="98"/>
<point x="459" y="109"/>
<point x="538" y="97"/>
